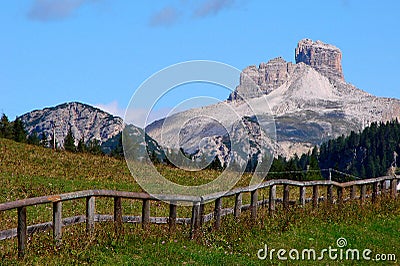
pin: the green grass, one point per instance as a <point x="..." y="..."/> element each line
<point x="374" y="226"/>
<point x="28" y="171"/>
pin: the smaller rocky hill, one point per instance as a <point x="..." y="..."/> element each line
<point x="85" y="121"/>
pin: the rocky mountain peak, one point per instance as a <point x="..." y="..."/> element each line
<point x="324" y="58"/>
<point x="310" y="101"/>
<point x="85" y="122"/>
<point x="267" y="77"/>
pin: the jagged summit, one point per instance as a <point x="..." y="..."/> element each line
<point x="325" y="58"/>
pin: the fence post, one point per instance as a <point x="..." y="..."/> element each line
<point x="201" y="214"/>
<point x="217" y="213"/>
<point x="374" y="191"/>
<point x="57" y="221"/>
<point x="172" y="216"/>
<point x="118" y="215"/>
<point x="302" y="195"/>
<point x="383" y="188"/>
<point x="272" y="199"/>
<point x="340" y="192"/>
<point x="253" y="206"/>
<point x="21" y="231"/>
<point x="145" y="213"/>
<point x="329" y="194"/>
<point x="194" y="222"/>
<point x="394" y="187"/>
<point x="353" y="192"/>
<point x="363" y="193"/>
<point x="285" y="196"/>
<point x="90" y="209"/>
<point x="238" y="205"/>
<point x="315" y="196"/>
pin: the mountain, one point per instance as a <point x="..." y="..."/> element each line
<point x="310" y="101"/>
<point x="84" y="120"/>
<point x="89" y="123"/>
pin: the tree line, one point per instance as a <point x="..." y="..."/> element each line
<point x="370" y="153"/>
<point x="92" y="146"/>
<point x="15" y="130"/>
<point x="366" y="154"/>
<point x="303" y="168"/>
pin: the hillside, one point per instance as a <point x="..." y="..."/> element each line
<point x="28" y="171"/>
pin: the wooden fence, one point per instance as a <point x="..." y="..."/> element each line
<point x="386" y="185"/>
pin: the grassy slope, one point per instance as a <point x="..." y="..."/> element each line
<point x="27" y="171"/>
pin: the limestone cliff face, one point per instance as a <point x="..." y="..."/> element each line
<point x="85" y="122"/>
<point x="325" y="58"/>
<point x="268" y="77"/>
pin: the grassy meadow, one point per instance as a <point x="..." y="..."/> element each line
<point x="30" y="171"/>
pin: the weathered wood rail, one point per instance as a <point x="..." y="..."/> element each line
<point x="386" y="185"/>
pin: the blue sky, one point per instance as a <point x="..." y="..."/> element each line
<point x="100" y="51"/>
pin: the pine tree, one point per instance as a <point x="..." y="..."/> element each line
<point x="314" y="171"/>
<point x="19" y="133"/>
<point x="371" y="167"/>
<point x="153" y="157"/>
<point x="292" y="166"/>
<point x="5" y="128"/>
<point x="215" y="164"/>
<point x="94" y="147"/>
<point x="43" y="140"/>
<point x="304" y="161"/>
<point x="118" y="151"/>
<point x="81" y="145"/>
<point x="278" y="165"/>
<point x="33" y="139"/>
<point x="69" y="142"/>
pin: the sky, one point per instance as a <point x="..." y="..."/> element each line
<point x="100" y="51"/>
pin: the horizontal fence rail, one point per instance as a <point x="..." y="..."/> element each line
<point x="386" y="185"/>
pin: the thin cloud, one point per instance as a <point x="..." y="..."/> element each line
<point x="51" y="10"/>
<point x="165" y="17"/>
<point x="345" y="3"/>
<point x="112" y="108"/>
<point x="212" y="7"/>
<point x="171" y="15"/>
<point x="136" y="116"/>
